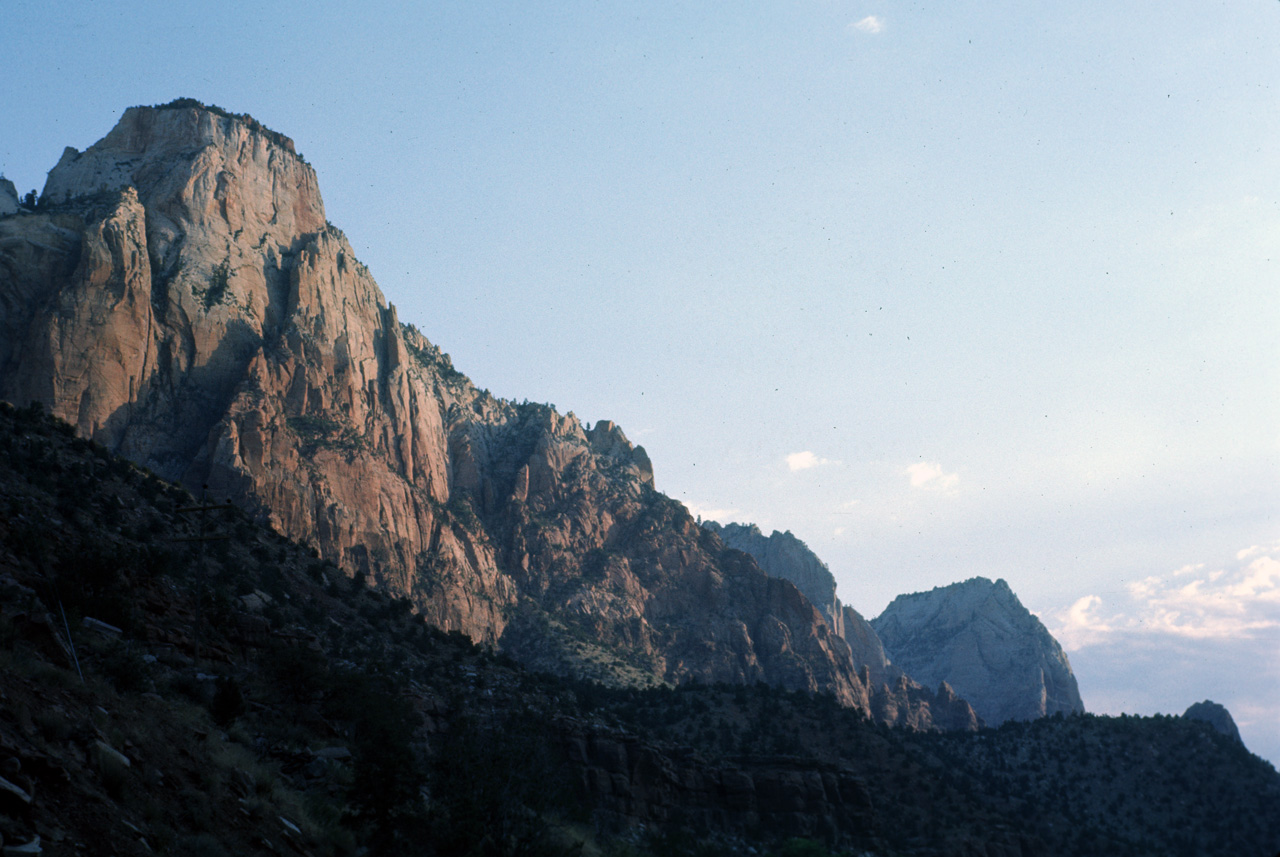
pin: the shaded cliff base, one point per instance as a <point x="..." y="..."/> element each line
<point x="240" y="696"/>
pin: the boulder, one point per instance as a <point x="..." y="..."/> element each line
<point x="8" y="198"/>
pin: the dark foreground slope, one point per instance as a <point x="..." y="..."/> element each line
<point x="255" y="701"/>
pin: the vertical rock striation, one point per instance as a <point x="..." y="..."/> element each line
<point x="180" y="297"/>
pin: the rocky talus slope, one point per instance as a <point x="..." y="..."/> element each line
<point x="179" y="297"/>
<point x="977" y="637"/>
<point x="895" y="697"/>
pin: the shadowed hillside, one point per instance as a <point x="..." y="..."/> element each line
<point x="241" y="696"/>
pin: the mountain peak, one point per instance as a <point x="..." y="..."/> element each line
<point x="254" y="125"/>
<point x="978" y="637"/>
<point x="201" y="166"/>
<point x="1216" y="716"/>
<point x="181" y="299"/>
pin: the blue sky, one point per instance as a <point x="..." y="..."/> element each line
<point x="947" y="290"/>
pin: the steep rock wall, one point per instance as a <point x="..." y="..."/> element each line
<point x="180" y="297"/>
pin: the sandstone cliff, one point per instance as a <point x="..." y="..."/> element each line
<point x="180" y="297"/>
<point x="977" y="637"/>
<point x="783" y="555"/>
<point x="895" y="698"/>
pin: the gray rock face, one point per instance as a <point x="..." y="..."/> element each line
<point x="977" y="637"/>
<point x="783" y="555"/>
<point x="895" y="697"/>
<point x="8" y="198"/>
<point x="1216" y="716"/>
<point x="866" y="645"/>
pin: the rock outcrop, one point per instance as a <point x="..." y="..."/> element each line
<point x="8" y="198"/>
<point x="977" y="637"/>
<point x="895" y="697"/>
<point x="783" y="555"/>
<point x="180" y="298"/>
<point x="868" y="650"/>
<point x="1216" y="716"/>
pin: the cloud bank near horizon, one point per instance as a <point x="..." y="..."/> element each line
<point x="1237" y="600"/>
<point x="1184" y="635"/>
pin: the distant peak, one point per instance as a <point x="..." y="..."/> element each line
<point x="979" y="637"/>
<point x="1216" y="716"/>
<point x="971" y="585"/>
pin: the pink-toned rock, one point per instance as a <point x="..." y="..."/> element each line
<point x="183" y="300"/>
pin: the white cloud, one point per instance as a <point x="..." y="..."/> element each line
<point x="930" y="476"/>
<point x="870" y="24"/>
<point x="710" y="513"/>
<point x="1081" y="624"/>
<point x="1145" y="674"/>
<point x="805" y="460"/>
<point x="1237" y="601"/>
<point x="1203" y="631"/>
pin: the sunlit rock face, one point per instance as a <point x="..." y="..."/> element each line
<point x="181" y="298"/>
<point x="978" y="638"/>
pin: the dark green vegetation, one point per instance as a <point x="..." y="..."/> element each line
<point x="244" y="697"/>
<point x="316" y="432"/>
<point x="430" y="356"/>
<point x="217" y="288"/>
